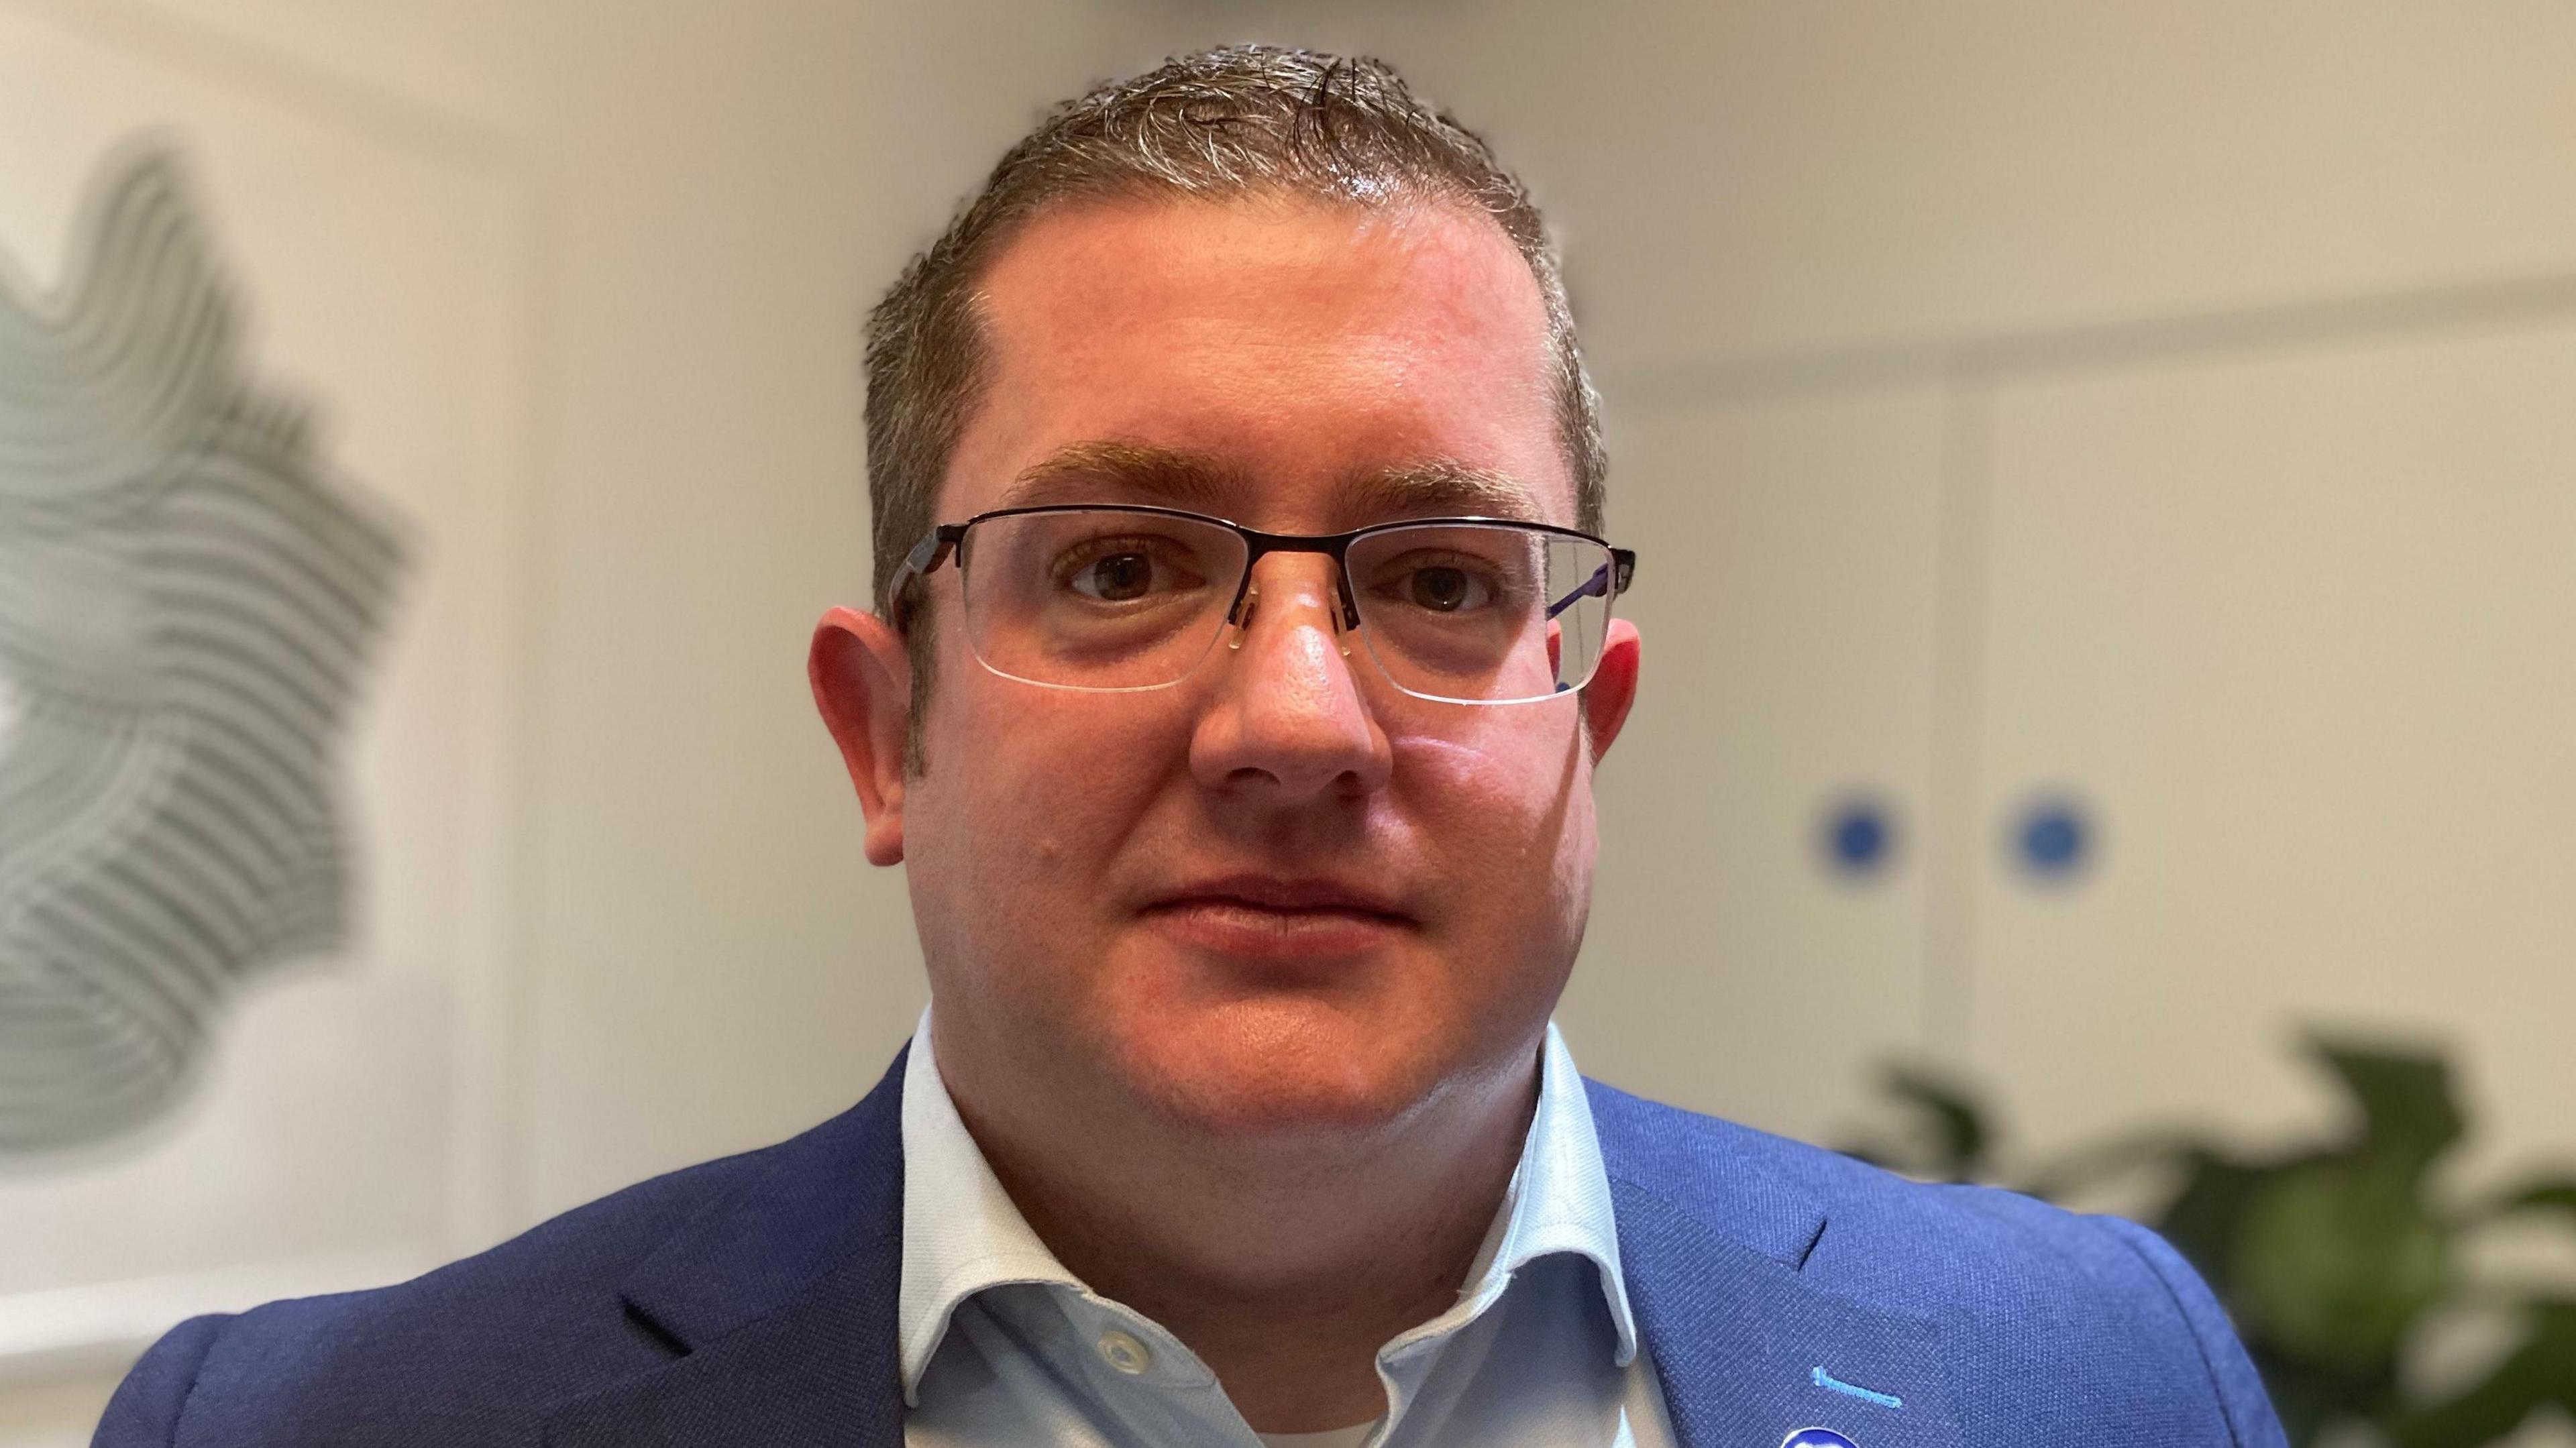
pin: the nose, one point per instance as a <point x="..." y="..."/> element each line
<point x="1287" y="718"/>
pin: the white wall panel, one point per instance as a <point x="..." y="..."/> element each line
<point x="1761" y="177"/>
<point x="1787" y="559"/>
<point x="2295" y="624"/>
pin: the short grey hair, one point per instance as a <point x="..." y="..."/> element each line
<point x="1236" y="120"/>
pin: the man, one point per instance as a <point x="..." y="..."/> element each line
<point x="1243" y="648"/>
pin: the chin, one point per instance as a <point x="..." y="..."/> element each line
<point x="1282" y="1068"/>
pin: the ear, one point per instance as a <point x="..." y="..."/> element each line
<point x="862" y="682"/>
<point x="1613" y="687"/>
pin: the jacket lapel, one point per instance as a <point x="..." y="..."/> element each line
<point x="1714" y="1249"/>
<point x="779" y="1301"/>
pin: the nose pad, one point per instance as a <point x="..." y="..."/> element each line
<point x="1244" y="608"/>
<point x="1251" y="605"/>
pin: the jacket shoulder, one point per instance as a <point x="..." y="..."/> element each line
<point x="473" y="1352"/>
<point x="2053" y="1302"/>
<point x="1851" y="1211"/>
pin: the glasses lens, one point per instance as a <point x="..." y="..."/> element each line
<point x="1097" y="598"/>
<point x="1484" y="613"/>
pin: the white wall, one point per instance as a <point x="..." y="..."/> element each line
<point x="1859" y="279"/>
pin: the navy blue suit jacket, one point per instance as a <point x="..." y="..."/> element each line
<point x="751" y="1301"/>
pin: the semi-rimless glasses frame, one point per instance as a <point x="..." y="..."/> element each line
<point x="1595" y="570"/>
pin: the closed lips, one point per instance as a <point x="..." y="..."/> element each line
<point x="1284" y="897"/>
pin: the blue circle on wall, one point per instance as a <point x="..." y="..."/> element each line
<point x="1859" y="838"/>
<point x="2054" y="839"/>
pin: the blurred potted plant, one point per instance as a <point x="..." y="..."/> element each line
<point x="2330" y="1255"/>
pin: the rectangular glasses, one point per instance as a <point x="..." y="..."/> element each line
<point x="1121" y="599"/>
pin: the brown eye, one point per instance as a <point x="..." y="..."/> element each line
<point x="1441" y="590"/>
<point x="1116" y="577"/>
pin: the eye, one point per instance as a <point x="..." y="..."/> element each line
<point x="1128" y="569"/>
<point x="1115" y="577"/>
<point x="1439" y="583"/>
<point x="1444" y="589"/>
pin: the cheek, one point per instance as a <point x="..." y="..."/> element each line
<point x="1507" y="809"/>
<point x="1011" y="833"/>
<point x="1039" y="787"/>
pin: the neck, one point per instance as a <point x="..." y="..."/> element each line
<point x="1285" y="1265"/>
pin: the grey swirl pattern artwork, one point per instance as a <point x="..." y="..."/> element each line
<point x="188" y="600"/>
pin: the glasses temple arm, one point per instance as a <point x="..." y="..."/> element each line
<point x="924" y="559"/>
<point x="1598" y="585"/>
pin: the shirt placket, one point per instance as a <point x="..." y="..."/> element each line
<point x="1154" y="1389"/>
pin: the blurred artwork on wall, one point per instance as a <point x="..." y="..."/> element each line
<point x="188" y="599"/>
<point x="264" y="502"/>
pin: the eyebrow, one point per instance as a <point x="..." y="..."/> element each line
<point x="1115" y="471"/>
<point x="1084" y="472"/>
<point x="1441" y="485"/>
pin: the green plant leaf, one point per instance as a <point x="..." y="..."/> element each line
<point x="2408" y="1116"/>
<point x="2310" y="1400"/>
<point x="2535" y="1196"/>
<point x="2542" y="1370"/>
<point x="1961" y="1142"/>
<point x="2335" y="1260"/>
<point x="2201" y="1220"/>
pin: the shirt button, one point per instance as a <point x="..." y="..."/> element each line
<point x="1122" y="1351"/>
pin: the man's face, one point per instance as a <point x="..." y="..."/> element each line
<point x="1282" y="895"/>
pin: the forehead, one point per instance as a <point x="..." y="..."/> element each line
<point x="1291" y="346"/>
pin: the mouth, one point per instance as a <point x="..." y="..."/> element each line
<point x="1262" y="917"/>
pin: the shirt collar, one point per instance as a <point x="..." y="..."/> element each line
<point x="962" y="1234"/>
<point x="1558" y="1202"/>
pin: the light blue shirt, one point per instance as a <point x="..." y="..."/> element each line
<point x="1001" y="1345"/>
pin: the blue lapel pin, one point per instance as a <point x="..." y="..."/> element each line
<point x="1817" y="1438"/>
